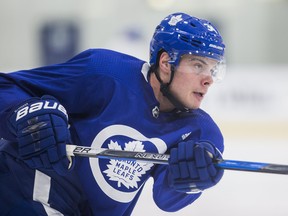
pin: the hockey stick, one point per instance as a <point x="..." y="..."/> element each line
<point x="84" y="151"/>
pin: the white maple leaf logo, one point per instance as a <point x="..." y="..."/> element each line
<point x="114" y="145"/>
<point x="134" y="146"/>
<point x="174" y="20"/>
<point x="127" y="172"/>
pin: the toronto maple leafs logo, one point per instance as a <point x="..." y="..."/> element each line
<point x="174" y="20"/>
<point x="122" y="179"/>
<point x="127" y="172"/>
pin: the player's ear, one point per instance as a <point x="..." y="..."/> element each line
<point x="164" y="67"/>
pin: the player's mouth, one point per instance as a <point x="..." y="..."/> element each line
<point x="199" y="94"/>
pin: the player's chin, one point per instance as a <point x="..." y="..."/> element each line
<point x="193" y="105"/>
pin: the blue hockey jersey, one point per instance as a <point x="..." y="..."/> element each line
<point x="110" y="104"/>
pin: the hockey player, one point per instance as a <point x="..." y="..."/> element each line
<point x="105" y="99"/>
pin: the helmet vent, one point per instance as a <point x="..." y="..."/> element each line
<point x="184" y="38"/>
<point x="196" y="43"/>
<point x="158" y="28"/>
<point x="193" y="42"/>
<point x="192" y="24"/>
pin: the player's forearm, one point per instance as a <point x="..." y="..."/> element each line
<point x="171" y="201"/>
<point x="165" y="196"/>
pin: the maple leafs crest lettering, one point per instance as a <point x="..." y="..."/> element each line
<point x="127" y="172"/>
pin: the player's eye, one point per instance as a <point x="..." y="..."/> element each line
<point x="198" y="67"/>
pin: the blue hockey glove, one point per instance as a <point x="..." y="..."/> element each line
<point x="41" y="128"/>
<point x="191" y="168"/>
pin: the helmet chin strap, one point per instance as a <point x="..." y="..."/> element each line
<point x="164" y="88"/>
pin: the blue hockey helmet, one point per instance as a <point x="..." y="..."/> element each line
<point x="180" y="34"/>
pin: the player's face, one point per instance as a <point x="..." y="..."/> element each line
<point x="192" y="79"/>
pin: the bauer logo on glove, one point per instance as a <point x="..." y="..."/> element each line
<point x="34" y="107"/>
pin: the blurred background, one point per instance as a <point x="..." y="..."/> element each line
<point x="250" y="105"/>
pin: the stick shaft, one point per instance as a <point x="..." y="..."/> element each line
<point x="84" y="151"/>
<point x="73" y="150"/>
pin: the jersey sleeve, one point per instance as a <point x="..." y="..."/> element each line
<point x="165" y="197"/>
<point x="10" y="95"/>
<point x="76" y="83"/>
